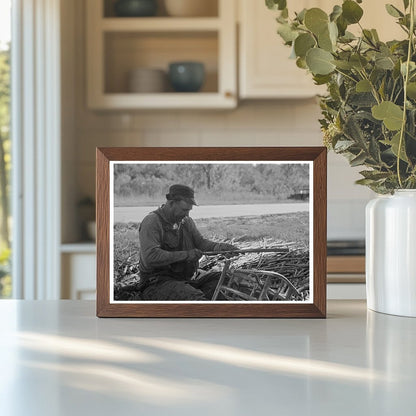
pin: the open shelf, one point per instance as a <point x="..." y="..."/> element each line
<point x="127" y="51"/>
<point x="118" y="45"/>
<point x="160" y="24"/>
<point x="209" y="9"/>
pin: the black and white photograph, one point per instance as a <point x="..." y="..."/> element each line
<point x="211" y="231"/>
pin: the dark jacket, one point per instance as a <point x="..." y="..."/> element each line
<point x="164" y="246"/>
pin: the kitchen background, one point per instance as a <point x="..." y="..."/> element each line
<point x="280" y="120"/>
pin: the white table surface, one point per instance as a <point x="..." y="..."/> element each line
<point x="57" y="358"/>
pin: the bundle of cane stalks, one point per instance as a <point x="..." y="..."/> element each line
<point x="291" y="260"/>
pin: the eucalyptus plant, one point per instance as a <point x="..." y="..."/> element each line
<point x="369" y="112"/>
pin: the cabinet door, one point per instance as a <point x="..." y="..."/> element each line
<point x="266" y="71"/>
<point x="78" y="276"/>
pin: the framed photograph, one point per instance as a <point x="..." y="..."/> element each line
<point x="211" y="232"/>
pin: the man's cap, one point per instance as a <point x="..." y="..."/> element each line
<point x="181" y="192"/>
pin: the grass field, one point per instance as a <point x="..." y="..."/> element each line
<point x="293" y="227"/>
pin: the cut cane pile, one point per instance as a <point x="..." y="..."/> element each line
<point x="292" y="263"/>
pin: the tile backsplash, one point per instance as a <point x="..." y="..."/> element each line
<point x="257" y="123"/>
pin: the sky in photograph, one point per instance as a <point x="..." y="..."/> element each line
<point x="4" y="21"/>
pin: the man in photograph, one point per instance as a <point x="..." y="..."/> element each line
<point x="170" y="248"/>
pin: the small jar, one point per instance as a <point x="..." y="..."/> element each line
<point x="186" y="76"/>
<point x="135" y="8"/>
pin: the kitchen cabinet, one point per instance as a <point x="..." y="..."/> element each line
<point x="118" y="45"/>
<point x="265" y="70"/>
<point x="78" y="263"/>
<point x="346" y="277"/>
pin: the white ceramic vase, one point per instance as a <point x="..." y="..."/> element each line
<point x="391" y="253"/>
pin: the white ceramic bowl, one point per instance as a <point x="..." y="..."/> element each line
<point x="147" y="80"/>
<point x="191" y="8"/>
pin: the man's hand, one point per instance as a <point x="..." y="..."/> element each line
<point x="227" y="247"/>
<point x="194" y="254"/>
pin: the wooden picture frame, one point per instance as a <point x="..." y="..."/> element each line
<point x="312" y="305"/>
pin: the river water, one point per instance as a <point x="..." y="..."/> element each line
<point x="136" y="214"/>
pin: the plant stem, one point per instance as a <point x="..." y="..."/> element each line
<point x="346" y="75"/>
<point x="373" y="88"/>
<point x="405" y="81"/>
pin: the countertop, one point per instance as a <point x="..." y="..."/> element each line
<point x="57" y="358"/>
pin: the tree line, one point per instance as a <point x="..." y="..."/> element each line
<point x="148" y="180"/>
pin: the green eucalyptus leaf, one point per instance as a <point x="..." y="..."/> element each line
<point x="411" y="90"/>
<point x="368" y="36"/>
<point x="358" y="61"/>
<point x="385" y="50"/>
<point x="361" y="100"/>
<point x="270" y="4"/>
<point x="391" y="114"/>
<point x="358" y="160"/>
<point x="301" y="15"/>
<point x="282" y="4"/>
<point x="285" y="13"/>
<point x="375" y="35"/>
<point x="384" y="62"/>
<point x="379" y="187"/>
<point x="411" y="124"/>
<point x="374" y="174"/>
<point x="336" y="12"/>
<point x="363" y="86"/>
<point x="321" y="79"/>
<point x="374" y="151"/>
<point x="325" y="42"/>
<point x="287" y="33"/>
<point x="365" y="182"/>
<point x="301" y="63"/>
<point x="406" y="4"/>
<point x="303" y="43"/>
<point x="412" y="67"/>
<point x="276" y="4"/>
<point x="394" y="143"/>
<point x="333" y="32"/>
<point x="316" y="20"/>
<point x="382" y="89"/>
<point x="343" y="145"/>
<point x="377" y="75"/>
<point x="342" y="25"/>
<point x="393" y="11"/>
<point x="281" y="19"/>
<point x="353" y="132"/>
<point x="344" y="65"/>
<point x="405" y="21"/>
<point x="319" y="61"/>
<point x="334" y="91"/>
<point x="347" y="37"/>
<point x="351" y="11"/>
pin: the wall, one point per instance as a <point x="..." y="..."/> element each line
<point x="253" y="123"/>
